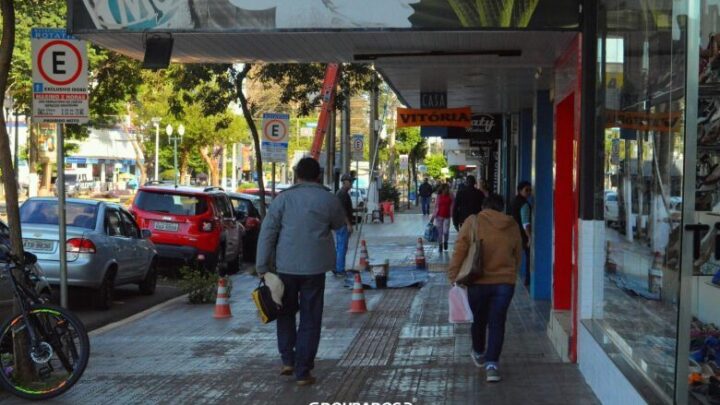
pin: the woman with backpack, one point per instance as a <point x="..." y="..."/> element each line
<point x="442" y="215"/>
<point x="490" y="292"/>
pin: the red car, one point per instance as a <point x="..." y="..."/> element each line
<point x="191" y="225"/>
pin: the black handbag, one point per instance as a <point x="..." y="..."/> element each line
<point x="268" y="310"/>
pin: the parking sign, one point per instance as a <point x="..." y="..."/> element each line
<point x="357" y="147"/>
<point x="60" y="78"/>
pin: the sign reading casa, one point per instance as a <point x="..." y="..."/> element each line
<point x="445" y="117"/>
<point x="60" y="78"/>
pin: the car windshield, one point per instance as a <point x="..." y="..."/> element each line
<point x="45" y="212"/>
<point x="70" y="178"/>
<point x="612" y="197"/>
<point x="168" y="203"/>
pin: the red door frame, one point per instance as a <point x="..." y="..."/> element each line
<point x="568" y="79"/>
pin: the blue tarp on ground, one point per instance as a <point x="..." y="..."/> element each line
<point x="400" y="277"/>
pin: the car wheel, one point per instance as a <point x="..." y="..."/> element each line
<point x="148" y="285"/>
<point x="220" y="267"/>
<point x="103" y="297"/>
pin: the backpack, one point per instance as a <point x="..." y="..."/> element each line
<point x="268" y="309"/>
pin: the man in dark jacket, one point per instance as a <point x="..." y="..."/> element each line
<point x="342" y="235"/>
<point x="468" y="202"/>
<point x="521" y="210"/>
<point x="425" y="191"/>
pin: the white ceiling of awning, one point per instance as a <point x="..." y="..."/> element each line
<point x="487" y="83"/>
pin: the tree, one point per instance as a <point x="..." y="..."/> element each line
<point x="435" y="163"/>
<point x="409" y="141"/>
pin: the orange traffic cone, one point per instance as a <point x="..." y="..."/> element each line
<point x="357" y="305"/>
<point x="364" y="258"/>
<point x="222" y="307"/>
<point x="420" y="255"/>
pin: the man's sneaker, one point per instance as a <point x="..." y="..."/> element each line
<point x="492" y="374"/>
<point x="478" y="359"/>
<point x="287" y="370"/>
<point x="309" y="380"/>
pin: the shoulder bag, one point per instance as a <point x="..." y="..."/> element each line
<point x="472" y="266"/>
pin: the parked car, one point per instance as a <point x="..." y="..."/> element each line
<point x="191" y="225"/>
<point x="612" y="208"/>
<point x="42" y="287"/>
<point x="105" y="247"/>
<point x="247" y="210"/>
<point x="74" y="184"/>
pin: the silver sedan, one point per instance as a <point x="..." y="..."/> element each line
<point x="105" y="247"/>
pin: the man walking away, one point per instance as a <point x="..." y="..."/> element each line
<point x="489" y="295"/>
<point x="342" y="235"/>
<point x="468" y="201"/>
<point x="296" y="239"/>
<point x="426" y="191"/>
<point x="521" y="210"/>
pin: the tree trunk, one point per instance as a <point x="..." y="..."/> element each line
<point x="184" y="167"/>
<point x="253" y="130"/>
<point x="7" y="44"/>
<point x="212" y="162"/>
<point x="138" y="154"/>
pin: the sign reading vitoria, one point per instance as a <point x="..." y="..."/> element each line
<point x="220" y="15"/>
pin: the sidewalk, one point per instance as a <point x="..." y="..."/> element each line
<point x="402" y="350"/>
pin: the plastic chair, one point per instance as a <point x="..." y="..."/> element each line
<point x="388" y="208"/>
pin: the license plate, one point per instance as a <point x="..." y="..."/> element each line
<point x="166" y="226"/>
<point x="38" y="245"/>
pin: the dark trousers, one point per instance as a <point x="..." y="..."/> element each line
<point x="298" y="346"/>
<point x="425" y="202"/>
<point x="527" y="266"/>
<point x="489" y="304"/>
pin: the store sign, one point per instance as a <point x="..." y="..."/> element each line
<point x="433" y="100"/>
<point x="644" y="121"/>
<point x="60" y="77"/>
<point x="446" y="117"/>
<point x="485" y="128"/>
<point x="276" y="134"/>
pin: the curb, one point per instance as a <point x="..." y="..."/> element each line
<point x="135" y="317"/>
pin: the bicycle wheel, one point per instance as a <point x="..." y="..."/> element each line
<point x="58" y="363"/>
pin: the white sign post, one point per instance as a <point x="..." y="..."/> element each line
<point x="357" y="147"/>
<point x="60" y="95"/>
<point x="276" y="135"/>
<point x="60" y="77"/>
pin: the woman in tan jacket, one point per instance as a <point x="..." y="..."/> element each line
<point x="490" y="295"/>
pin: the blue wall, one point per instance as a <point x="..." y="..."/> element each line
<point x="525" y="152"/>
<point x="542" y="181"/>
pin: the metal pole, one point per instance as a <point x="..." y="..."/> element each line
<point x="234" y="167"/>
<point x="273" y="180"/>
<point x="175" y="159"/>
<point x="61" y="215"/>
<point x="17" y="182"/>
<point x="157" y="150"/>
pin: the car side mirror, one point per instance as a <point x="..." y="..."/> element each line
<point x="146" y="234"/>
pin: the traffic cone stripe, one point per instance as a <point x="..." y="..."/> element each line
<point x="357" y="305"/>
<point x="222" y="307"/>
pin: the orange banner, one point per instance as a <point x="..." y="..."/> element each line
<point x="426" y="117"/>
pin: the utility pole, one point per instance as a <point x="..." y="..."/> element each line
<point x="345" y="134"/>
<point x="234" y="167"/>
<point x="156" y="122"/>
<point x="223" y="167"/>
<point x="373" y="121"/>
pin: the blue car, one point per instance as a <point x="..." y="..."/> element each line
<point x="105" y="247"/>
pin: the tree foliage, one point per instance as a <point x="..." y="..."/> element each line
<point x="435" y="163"/>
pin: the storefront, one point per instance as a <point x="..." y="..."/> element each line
<point x="615" y="107"/>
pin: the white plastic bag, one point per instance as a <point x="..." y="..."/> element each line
<point x="459" y="307"/>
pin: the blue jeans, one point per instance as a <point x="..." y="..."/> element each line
<point x="342" y="236"/>
<point x="425" y="202"/>
<point x="298" y="346"/>
<point x="489" y="304"/>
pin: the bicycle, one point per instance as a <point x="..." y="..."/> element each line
<point x="53" y="341"/>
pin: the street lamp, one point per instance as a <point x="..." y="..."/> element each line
<point x="174" y="139"/>
<point x="156" y="122"/>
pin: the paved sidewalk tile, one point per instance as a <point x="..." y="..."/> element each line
<point x="402" y="350"/>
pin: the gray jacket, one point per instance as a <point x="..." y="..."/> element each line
<point x="296" y="231"/>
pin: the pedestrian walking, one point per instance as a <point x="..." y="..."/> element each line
<point x="489" y="295"/>
<point x="426" y="191"/>
<point x="342" y="235"/>
<point x="521" y="210"/>
<point x="483" y="187"/>
<point x="300" y="220"/>
<point x="468" y="201"/>
<point x="442" y="214"/>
